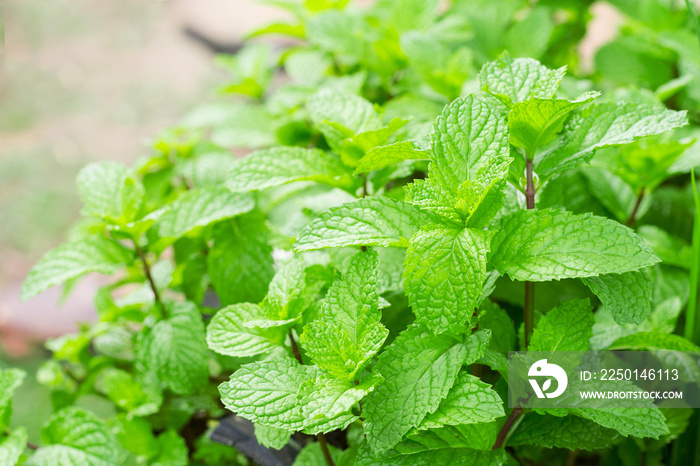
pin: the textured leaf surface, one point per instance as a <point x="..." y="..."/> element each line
<point x="349" y="110"/>
<point x="470" y="132"/>
<point x="349" y="331"/>
<point x="541" y="245"/>
<point x="200" y="208"/>
<point x="570" y="432"/>
<point x="651" y="341"/>
<point x="451" y="456"/>
<point x="374" y="221"/>
<point x="418" y="369"/>
<point x="567" y="327"/>
<point x="627" y="297"/>
<point x="267" y="392"/>
<point x="71" y="260"/>
<point x="227" y="334"/>
<point x="475" y="436"/>
<point x="470" y="401"/>
<point x="12" y="446"/>
<point x="536" y="122"/>
<point x="127" y="393"/>
<point x="513" y="80"/>
<point x="109" y="190"/>
<point x="240" y="262"/>
<point x="10" y="380"/>
<point x="279" y="165"/>
<point x="175" y="349"/>
<point x="76" y="437"/>
<point x="601" y="126"/>
<point x="272" y="438"/>
<point x="385" y="156"/>
<point x="444" y="273"/>
<point x="638" y="422"/>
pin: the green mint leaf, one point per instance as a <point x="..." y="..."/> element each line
<point x="327" y="402"/>
<point x="349" y="331"/>
<point x="175" y="349"/>
<point x="604" y="125"/>
<point x="418" y="369"/>
<point x="271" y="437"/>
<point x="12" y="446"/>
<point x="567" y="327"/>
<point x="199" y="208"/>
<point x="627" y="297"/>
<point x="493" y="318"/>
<point x="127" y="393"/>
<point x="173" y="450"/>
<point x="444" y="273"/>
<point x="240" y="261"/>
<point x="531" y="36"/>
<point x="670" y="249"/>
<point x="514" y="80"/>
<point x="535" y="122"/>
<point x="542" y="245"/>
<point x="71" y="260"/>
<point x="110" y="191"/>
<point x="638" y="422"/>
<point x="451" y="456"/>
<point x="569" y="432"/>
<point x="470" y="401"/>
<point x="10" y="380"/>
<point x="375" y="221"/>
<point x="312" y="455"/>
<point x="76" y="436"/>
<point x="227" y="333"/>
<point x="480" y="436"/>
<point x="267" y="392"/>
<point x="608" y="188"/>
<point x="651" y="341"/>
<point x="285" y="297"/>
<point x="386" y="156"/>
<point x="267" y="168"/>
<point x="470" y="133"/>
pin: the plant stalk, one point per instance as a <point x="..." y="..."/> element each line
<point x="149" y="278"/>
<point x="633" y="214"/>
<point x="320" y="437"/>
<point x="503" y="433"/>
<point x="529" y="304"/>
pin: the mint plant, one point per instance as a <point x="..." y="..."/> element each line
<point x="418" y="204"/>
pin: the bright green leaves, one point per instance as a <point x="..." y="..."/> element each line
<point x="134" y="397"/>
<point x="200" y="208"/>
<point x="279" y="165"/>
<point x="542" y="245"/>
<point x="385" y="156"/>
<point x="174" y="349"/>
<point x="567" y="327"/>
<point x="601" y="126"/>
<point x="348" y="332"/>
<point x="110" y="191"/>
<point x="444" y="273"/>
<point x="267" y="392"/>
<point x="470" y="133"/>
<point x="419" y="369"/>
<point x="377" y="221"/>
<point x="71" y="260"/>
<point x="534" y="123"/>
<point x="12" y="446"/>
<point x="563" y="432"/>
<point x="627" y="297"/>
<point x="75" y="436"/>
<point x="350" y="124"/>
<point x="10" y="380"/>
<point x="286" y="395"/>
<point x="470" y="401"/>
<point x="228" y="334"/>
<point x="431" y="457"/>
<point x="513" y="80"/>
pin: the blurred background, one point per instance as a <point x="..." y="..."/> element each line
<point x="84" y="80"/>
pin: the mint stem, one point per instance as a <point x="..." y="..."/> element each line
<point x="512" y="417"/>
<point x="529" y="304"/>
<point x="633" y="214"/>
<point x="149" y="277"/>
<point x="320" y="437"/>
